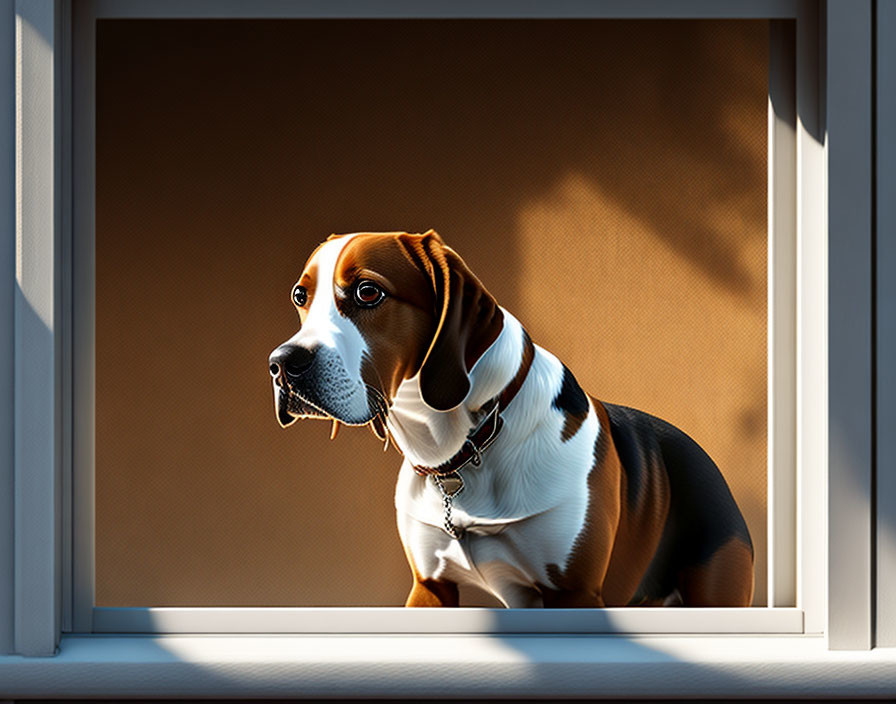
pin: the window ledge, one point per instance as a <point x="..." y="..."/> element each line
<point x="448" y="666"/>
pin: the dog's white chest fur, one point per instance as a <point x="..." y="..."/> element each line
<point x="523" y="507"/>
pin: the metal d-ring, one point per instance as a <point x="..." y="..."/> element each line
<point x="476" y="459"/>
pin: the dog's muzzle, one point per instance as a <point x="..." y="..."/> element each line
<point x="288" y="364"/>
<point x="313" y="383"/>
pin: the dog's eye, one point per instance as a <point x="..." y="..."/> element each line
<point x="300" y="296"/>
<point x="368" y="294"/>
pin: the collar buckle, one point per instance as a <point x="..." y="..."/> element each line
<point x="476" y="459"/>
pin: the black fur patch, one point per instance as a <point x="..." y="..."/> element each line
<point x="703" y="515"/>
<point x="571" y="399"/>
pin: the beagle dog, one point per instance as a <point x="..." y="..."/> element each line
<point x="513" y="479"/>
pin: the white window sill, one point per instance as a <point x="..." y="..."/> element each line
<point x="448" y="666"/>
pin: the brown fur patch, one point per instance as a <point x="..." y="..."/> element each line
<point x="398" y="330"/>
<point x="469" y="320"/>
<point x="522" y="371"/>
<point x="641" y="524"/>
<point x="618" y="540"/>
<point x="573" y="403"/>
<point x="726" y="579"/>
<point x="429" y="592"/>
<point x="571" y="424"/>
<point x="437" y="318"/>
<point x="579" y="583"/>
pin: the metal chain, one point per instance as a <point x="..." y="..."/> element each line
<point x="447" y="499"/>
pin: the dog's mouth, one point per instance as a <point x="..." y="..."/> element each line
<point x="290" y="407"/>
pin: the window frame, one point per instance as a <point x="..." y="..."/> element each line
<point x="787" y="616"/>
<point x="833" y="220"/>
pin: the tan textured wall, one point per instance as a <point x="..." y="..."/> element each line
<point x="605" y="179"/>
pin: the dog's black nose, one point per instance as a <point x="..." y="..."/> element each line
<point x="291" y="361"/>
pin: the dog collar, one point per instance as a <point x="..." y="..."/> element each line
<point x="488" y="428"/>
<point x="473" y="447"/>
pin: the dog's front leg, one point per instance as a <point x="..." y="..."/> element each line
<point x="430" y="592"/>
<point x="427" y="590"/>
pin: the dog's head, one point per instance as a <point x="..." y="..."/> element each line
<point x="376" y="309"/>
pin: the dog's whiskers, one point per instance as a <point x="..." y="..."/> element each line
<point x="378" y="393"/>
<point x="377" y="400"/>
<point x="380" y="405"/>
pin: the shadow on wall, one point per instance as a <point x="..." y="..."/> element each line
<point x="605" y="179"/>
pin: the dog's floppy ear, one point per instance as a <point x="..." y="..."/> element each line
<point x="469" y="320"/>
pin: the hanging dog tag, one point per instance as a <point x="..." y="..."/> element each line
<point x="451" y="484"/>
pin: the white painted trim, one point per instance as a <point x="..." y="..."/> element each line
<point x="37" y="477"/>
<point x="849" y="145"/>
<point x="886" y="323"/>
<point x="811" y="333"/>
<point x="64" y="87"/>
<point x="639" y="9"/>
<point x="7" y="318"/>
<point x="338" y="666"/>
<point x="458" y="667"/>
<point x="781" y="498"/>
<point x="440" y="621"/>
<point x="83" y="324"/>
